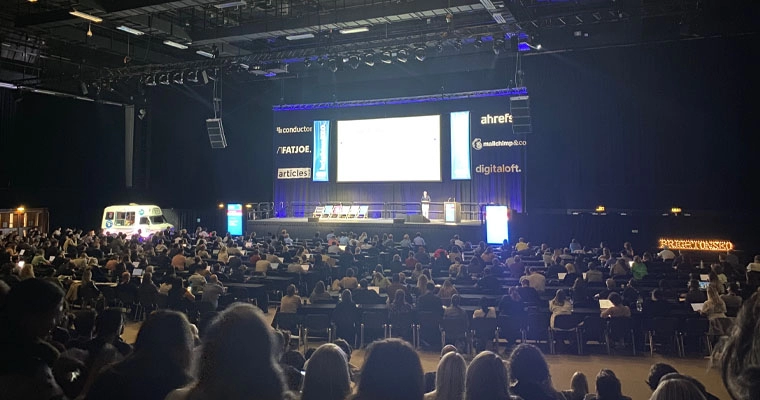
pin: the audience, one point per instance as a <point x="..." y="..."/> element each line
<point x="578" y="387"/>
<point x="608" y="387"/>
<point x="392" y="370"/>
<point x="327" y="375"/>
<point x="450" y="378"/>
<point x="529" y="374"/>
<point x="291" y="302"/>
<point x="486" y="378"/>
<point x="740" y="355"/>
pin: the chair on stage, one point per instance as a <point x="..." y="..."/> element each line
<point x="352" y="212"/>
<point x="363" y="212"/>
<point x="343" y="211"/>
<point x="318" y="211"/>
<point x="329" y="209"/>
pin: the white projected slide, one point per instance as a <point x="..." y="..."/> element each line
<point x="406" y="149"/>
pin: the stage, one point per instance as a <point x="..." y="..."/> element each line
<point x="435" y="232"/>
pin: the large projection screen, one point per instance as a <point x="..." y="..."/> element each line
<point x="406" y="149"/>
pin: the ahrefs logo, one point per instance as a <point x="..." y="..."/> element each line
<point x="294" y="149"/>
<point x="293" y="173"/>
<point x="293" y="129"/>
<point x="497" y="169"/>
<point x="489" y="119"/>
<point x="477" y="144"/>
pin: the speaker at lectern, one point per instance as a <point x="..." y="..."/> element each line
<point x="452" y="211"/>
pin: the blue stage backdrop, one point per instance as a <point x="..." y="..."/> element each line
<point x="461" y="146"/>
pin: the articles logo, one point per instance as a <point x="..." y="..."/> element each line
<point x="294" y="149"/>
<point x="489" y="119"/>
<point x="293" y="173"/>
<point x="477" y="144"/>
<point x="294" y="129"/>
<point x="497" y="169"/>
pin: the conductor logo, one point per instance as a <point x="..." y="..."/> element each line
<point x="293" y="129"/>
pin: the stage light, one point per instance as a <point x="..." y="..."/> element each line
<point x="86" y="16"/>
<point x="249" y="206"/>
<point x="402" y="56"/>
<point x="300" y="37"/>
<point x="675" y="210"/>
<point x="353" y="61"/>
<point x="478" y="43"/>
<point x="332" y="64"/>
<point x="386" y="57"/>
<point x="89" y="30"/>
<point x="150" y="80"/>
<point x="204" y="54"/>
<point x="130" y="30"/>
<point x="178" y="78"/>
<point x="369" y="59"/>
<point x="420" y="53"/>
<point x="307" y="62"/>
<point x="6" y="85"/>
<point x="321" y="61"/>
<point x="220" y="205"/>
<point x="439" y="48"/>
<point x="20" y="209"/>
<point x="32" y="1"/>
<point x="457" y="44"/>
<point x="599" y="209"/>
<point x="498" y="44"/>
<point x="175" y="44"/>
<point x="163" y="79"/>
<point x="192" y="76"/>
<point x="354" y="30"/>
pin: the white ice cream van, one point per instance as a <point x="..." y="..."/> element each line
<point x="134" y="218"/>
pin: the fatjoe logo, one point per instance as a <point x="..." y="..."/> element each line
<point x="294" y="149"/>
<point x="293" y="173"/>
<point x="293" y="129"/>
<point x="497" y="169"/>
<point x="478" y="144"/>
<point x="489" y="119"/>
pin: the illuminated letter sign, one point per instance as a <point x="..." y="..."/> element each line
<point x="321" y="151"/>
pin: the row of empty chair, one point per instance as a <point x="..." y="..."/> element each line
<point x="340" y="211"/>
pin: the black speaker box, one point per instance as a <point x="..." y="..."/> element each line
<point x="397" y="221"/>
<point x="313" y="219"/>
<point x="416" y="218"/>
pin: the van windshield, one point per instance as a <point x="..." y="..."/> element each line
<point x="159" y="219"/>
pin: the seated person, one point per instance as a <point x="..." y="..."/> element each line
<point x="319" y="294"/>
<point x="617" y="309"/>
<point x="291" y="302"/>
<point x="349" y="281"/>
<point x="695" y="294"/>
<point x="656" y="305"/>
<point x="611" y="288"/>
<point x="489" y="282"/>
<point x="527" y="293"/>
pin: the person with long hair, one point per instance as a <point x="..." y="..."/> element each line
<point x="740" y="355"/>
<point x="447" y="290"/>
<point x="559" y="305"/>
<point x="714" y="307"/>
<point x="486" y="378"/>
<point x="608" y="387"/>
<point x="327" y="376"/>
<point x="238" y="359"/>
<point x="677" y="389"/>
<point x="529" y="374"/>
<point x="578" y="387"/>
<point x="449" y="378"/>
<point x="391" y="371"/>
<point x="319" y="294"/>
<point x="159" y="363"/>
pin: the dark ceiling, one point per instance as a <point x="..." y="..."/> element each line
<point x="44" y="46"/>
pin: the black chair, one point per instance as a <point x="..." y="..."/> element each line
<point x="592" y="328"/>
<point x="373" y="321"/>
<point x="482" y="330"/>
<point x="537" y="327"/>
<point x="510" y="328"/>
<point x="162" y="301"/>
<point x="147" y="301"/>
<point x="428" y="328"/>
<point x="697" y="328"/>
<point x="404" y="326"/>
<point x="316" y="323"/>
<point x="663" y="330"/>
<point x="453" y="330"/>
<point x="288" y="322"/>
<point x="564" y="324"/>
<point x="620" y="328"/>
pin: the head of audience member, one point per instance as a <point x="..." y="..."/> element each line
<point x="165" y="343"/>
<point x="422" y="282"/>
<point x="327" y="376"/>
<point x="125" y="277"/>
<point x="579" y="385"/>
<point x="347" y="350"/>
<point x="741" y="354"/>
<point x="84" y="323"/>
<point x="399" y="297"/>
<point x="656" y="372"/>
<point x="319" y="287"/>
<point x="615" y="299"/>
<point x="677" y="389"/>
<point x="486" y="378"/>
<point x="456" y="300"/>
<point x="450" y="376"/>
<point x="610" y="284"/>
<point x="291" y="290"/>
<point x="391" y="360"/>
<point x="109" y="324"/>
<point x="570" y="268"/>
<point x="694" y="381"/>
<point x="32" y="309"/>
<point x="524" y="282"/>
<point x="529" y="369"/>
<point x="608" y="386"/>
<point x="560" y="297"/>
<point x="350" y="273"/>
<point x="293" y="358"/>
<point x="239" y="354"/>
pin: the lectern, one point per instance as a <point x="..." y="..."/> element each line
<point x="452" y="212"/>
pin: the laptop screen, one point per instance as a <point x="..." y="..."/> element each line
<point x="561" y="275"/>
<point x="305" y="267"/>
<point x="704" y="277"/>
<point x="137" y="272"/>
<point x="605" y="304"/>
<point x="704" y="285"/>
<point x="375" y="288"/>
<point x="697" y="306"/>
<point x="273" y="265"/>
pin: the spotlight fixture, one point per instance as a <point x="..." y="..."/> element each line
<point x="89" y="30"/>
<point x="420" y="53"/>
<point x="354" y="30"/>
<point x="402" y="56"/>
<point x="204" y="54"/>
<point x="457" y="45"/>
<point x="386" y="57"/>
<point x="332" y="64"/>
<point x="369" y="59"/>
<point x="498" y="44"/>
<point x="163" y="79"/>
<point x="175" y="44"/>
<point x="86" y="16"/>
<point x="307" y="62"/>
<point x="192" y="76"/>
<point x="130" y="30"/>
<point x="178" y="78"/>
<point x="150" y="80"/>
<point x="321" y="61"/>
<point x="353" y="61"/>
<point x="478" y="43"/>
<point x="439" y="48"/>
